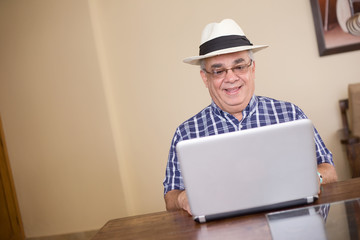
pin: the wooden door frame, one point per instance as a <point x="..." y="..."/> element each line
<point x="9" y="189"/>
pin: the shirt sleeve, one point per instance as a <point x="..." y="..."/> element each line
<point x="323" y="154"/>
<point x="173" y="179"/>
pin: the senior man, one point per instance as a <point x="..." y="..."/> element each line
<point x="227" y="68"/>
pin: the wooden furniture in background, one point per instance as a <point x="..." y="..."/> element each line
<point x="11" y="227"/>
<point x="350" y="113"/>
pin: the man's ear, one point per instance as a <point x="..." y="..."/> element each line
<point x="253" y="67"/>
<point x="204" y="78"/>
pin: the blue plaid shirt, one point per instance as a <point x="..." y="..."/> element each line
<point x="261" y="111"/>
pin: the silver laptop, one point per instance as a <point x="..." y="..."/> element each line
<point x="249" y="171"/>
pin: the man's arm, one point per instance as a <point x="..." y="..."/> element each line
<point x="327" y="172"/>
<point x="177" y="199"/>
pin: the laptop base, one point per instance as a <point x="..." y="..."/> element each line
<point x="212" y="217"/>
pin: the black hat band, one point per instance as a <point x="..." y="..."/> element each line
<point x="223" y="43"/>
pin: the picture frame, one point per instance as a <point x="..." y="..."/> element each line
<point x="330" y="34"/>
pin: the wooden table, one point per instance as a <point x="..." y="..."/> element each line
<point x="179" y="225"/>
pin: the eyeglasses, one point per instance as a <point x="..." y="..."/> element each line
<point x="221" y="72"/>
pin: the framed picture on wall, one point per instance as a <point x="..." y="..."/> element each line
<point x="337" y="25"/>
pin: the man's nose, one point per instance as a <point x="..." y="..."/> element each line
<point x="230" y="76"/>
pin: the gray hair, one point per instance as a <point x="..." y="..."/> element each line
<point x="202" y="61"/>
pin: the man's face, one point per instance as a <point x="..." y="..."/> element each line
<point x="233" y="92"/>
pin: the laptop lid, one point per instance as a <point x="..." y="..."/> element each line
<point x="250" y="170"/>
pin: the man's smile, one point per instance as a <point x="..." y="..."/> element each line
<point x="233" y="90"/>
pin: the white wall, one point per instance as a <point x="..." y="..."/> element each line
<point x="91" y="93"/>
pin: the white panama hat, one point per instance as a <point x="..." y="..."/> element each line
<point x="221" y="38"/>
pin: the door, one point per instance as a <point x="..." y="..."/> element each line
<point x="10" y="222"/>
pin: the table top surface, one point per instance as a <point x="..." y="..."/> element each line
<point x="179" y="225"/>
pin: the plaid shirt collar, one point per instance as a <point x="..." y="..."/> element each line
<point x="248" y="111"/>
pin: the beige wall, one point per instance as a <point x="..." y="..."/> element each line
<point x="56" y="120"/>
<point x="92" y="91"/>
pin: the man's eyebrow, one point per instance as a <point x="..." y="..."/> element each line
<point x="217" y="65"/>
<point x="239" y="60"/>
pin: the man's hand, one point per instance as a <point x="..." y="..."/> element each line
<point x="328" y="173"/>
<point x="177" y="199"/>
<point x="183" y="202"/>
